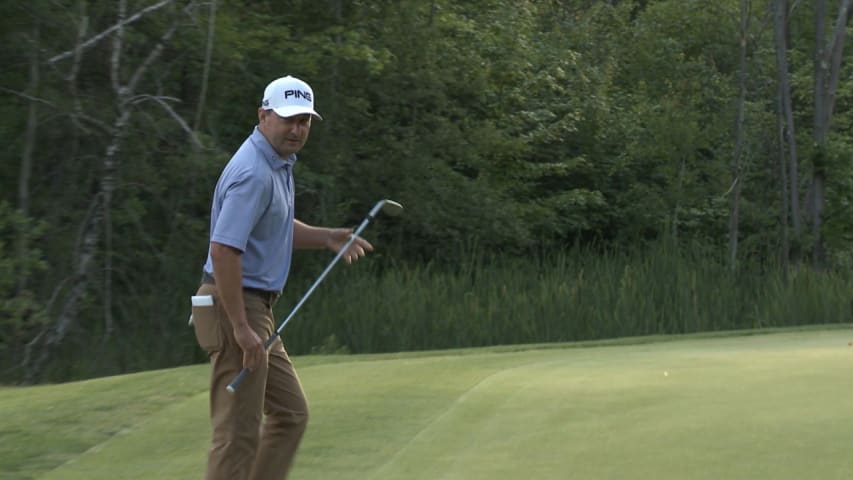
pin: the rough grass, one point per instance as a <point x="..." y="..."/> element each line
<point x="723" y="406"/>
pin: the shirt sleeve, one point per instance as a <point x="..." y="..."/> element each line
<point x="244" y="200"/>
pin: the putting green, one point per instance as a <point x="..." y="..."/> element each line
<point x="740" y="407"/>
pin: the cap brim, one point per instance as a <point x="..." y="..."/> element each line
<point x="293" y="111"/>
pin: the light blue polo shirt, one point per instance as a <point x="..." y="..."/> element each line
<point x="253" y="212"/>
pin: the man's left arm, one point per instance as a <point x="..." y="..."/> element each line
<point x="308" y="236"/>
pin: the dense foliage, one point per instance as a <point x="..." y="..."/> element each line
<point x="510" y="128"/>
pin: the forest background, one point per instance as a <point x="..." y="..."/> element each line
<point x="571" y="170"/>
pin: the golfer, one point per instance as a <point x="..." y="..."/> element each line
<point x="252" y="235"/>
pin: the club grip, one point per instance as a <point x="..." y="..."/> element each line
<point x="236" y="382"/>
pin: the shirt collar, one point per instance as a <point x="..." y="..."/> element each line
<point x="263" y="145"/>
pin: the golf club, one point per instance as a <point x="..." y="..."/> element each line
<point x="388" y="207"/>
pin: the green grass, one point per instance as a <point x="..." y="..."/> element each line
<point x="730" y="406"/>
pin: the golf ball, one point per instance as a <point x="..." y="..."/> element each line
<point x="665" y="374"/>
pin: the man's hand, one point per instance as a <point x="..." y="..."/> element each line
<point x="227" y="265"/>
<point x="339" y="236"/>
<point x="252" y="346"/>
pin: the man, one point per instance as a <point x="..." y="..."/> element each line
<point x="252" y="234"/>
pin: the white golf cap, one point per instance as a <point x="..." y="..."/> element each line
<point x="289" y="96"/>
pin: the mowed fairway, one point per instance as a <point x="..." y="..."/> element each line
<point x="775" y="406"/>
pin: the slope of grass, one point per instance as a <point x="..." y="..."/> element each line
<point x="45" y="426"/>
<point x="757" y="407"/>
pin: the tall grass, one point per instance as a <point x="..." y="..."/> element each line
<point x="569" y="296"/>
<point x="493" y="299"/>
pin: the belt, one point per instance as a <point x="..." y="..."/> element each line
<point x="269" y="295"/>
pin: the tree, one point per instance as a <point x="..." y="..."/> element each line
<point x="739" y="136"/>
<point x="95" y="239"/>
<point x="789" y="170"/>
<point x="827" y="73"/>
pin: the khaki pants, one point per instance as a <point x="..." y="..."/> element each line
<point x="242" y="448"/>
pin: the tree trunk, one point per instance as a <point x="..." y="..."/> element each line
<point x="738" y="159"/>
<point x="785" y="254"/>
<point x="205" y="76"/>
<point x="780" y="23"/>
<point x="27" y="154"/>
<point x="827" y="62"/>
<point x="682" y="172"/>
<point x="83" y="259"/>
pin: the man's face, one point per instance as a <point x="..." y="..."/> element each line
<point x="287" y="135"/>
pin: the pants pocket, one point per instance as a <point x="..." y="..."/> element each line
<point x="208" y="331"/>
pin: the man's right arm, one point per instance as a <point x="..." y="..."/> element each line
<point x="228" y="273"/>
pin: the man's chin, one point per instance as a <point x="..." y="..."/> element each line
<point x="290" y="147"/>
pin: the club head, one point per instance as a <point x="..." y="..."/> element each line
<point x="391" y="208"/>
<point x="388" y="207"/>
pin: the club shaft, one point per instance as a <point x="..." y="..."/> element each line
<point x="322" y="276"/>
<point x="232" y="387"/>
